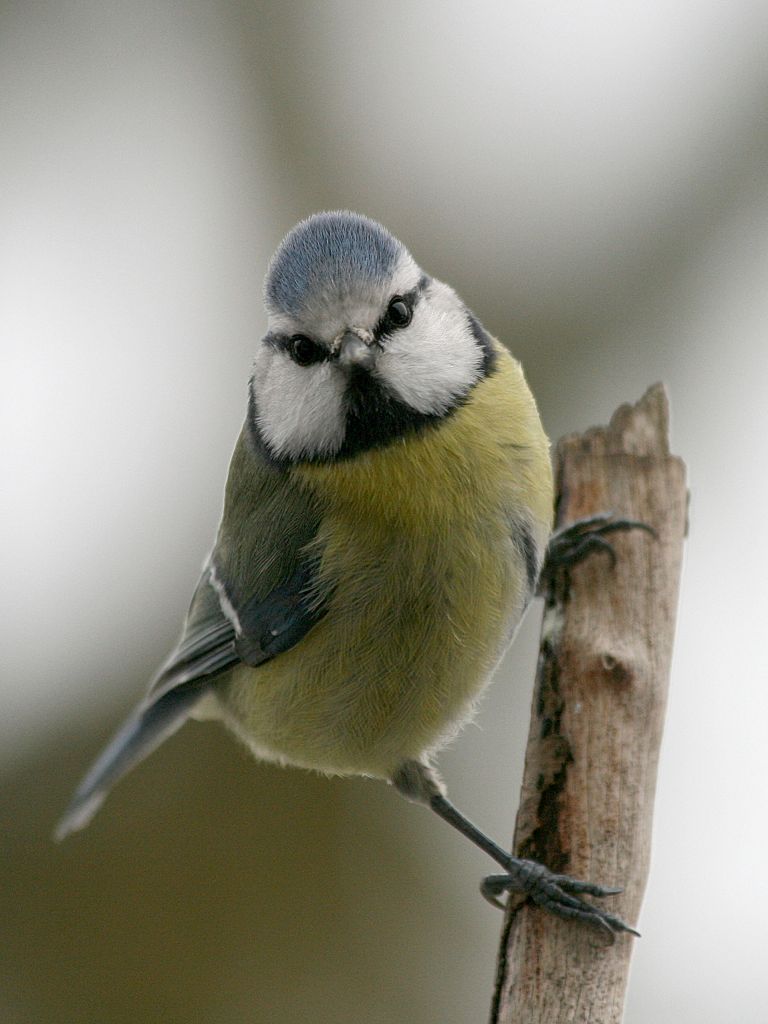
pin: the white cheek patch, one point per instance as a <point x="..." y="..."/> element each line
<point x="436" y="359"/>
<point x="300" y="409"/>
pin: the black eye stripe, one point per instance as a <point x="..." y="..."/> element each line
<point x="386" y="325"/>
<point x="302" y="349"/>
<point x="283" y="342"/>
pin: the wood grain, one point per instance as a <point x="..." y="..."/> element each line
<point x="586" y="805"/>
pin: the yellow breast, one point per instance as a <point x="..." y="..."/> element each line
<point x="418" y="554"/>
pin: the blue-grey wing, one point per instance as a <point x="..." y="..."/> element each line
<point x="255" y="599"/>
<point x="206" y="650"/>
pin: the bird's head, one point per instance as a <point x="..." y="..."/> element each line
<point x="362" y="346"/>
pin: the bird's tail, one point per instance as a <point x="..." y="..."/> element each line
<point x="145" y="730"/>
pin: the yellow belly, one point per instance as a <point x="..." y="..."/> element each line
<point x="426" y="585"/>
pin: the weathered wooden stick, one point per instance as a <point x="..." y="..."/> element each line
<point x="590" y="769"/>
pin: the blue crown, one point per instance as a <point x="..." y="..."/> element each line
<point x="328" y="252"/>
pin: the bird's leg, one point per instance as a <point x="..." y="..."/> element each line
<point x="558" y="894"/>
<point x="571" y="543"/>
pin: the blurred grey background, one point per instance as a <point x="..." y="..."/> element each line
<point x="593" y="179"/>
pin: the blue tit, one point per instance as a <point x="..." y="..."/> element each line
<point x="386" y="516"/>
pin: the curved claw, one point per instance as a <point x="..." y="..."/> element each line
<point x="557" y="894"/>
<point x="572" y="543"/>
<point x="579" y="547"/>
<point x="574" y="885"/>
<point x="491" y="887"/>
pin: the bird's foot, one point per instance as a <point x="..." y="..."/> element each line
<point x="572" y="543"/>
<point x="558" y="894"/>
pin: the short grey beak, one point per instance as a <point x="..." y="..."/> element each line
<point x="353" y="352"/>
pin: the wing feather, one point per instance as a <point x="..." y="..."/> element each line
<point x="259" y="555"/>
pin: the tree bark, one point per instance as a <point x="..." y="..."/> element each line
<point x="596" y="723"/>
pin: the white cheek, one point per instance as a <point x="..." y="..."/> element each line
<point x="300" y="408"/>
<point x="435" y="360"/>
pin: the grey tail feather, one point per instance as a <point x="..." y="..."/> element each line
<point x="142" y="733"/>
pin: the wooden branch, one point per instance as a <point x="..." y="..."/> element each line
<point x="596" y="723"/>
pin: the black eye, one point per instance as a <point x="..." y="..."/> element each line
<point x="398" y="313"/>
<point x="304" y="351"/>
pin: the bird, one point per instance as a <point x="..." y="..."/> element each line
<point x="387" y="515"/>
